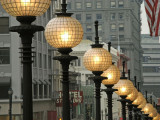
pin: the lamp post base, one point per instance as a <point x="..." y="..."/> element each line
<point x="123" y="102"/>
<point x="130" y="108"/>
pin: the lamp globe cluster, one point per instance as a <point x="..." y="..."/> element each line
<point x="141" y="106"/>
<point x="153" y="113"/>
<point x="147" y="108"/>
<point x="25" y="7"/>
<point x="139" y="99"/>
<point x="157" y="117"/>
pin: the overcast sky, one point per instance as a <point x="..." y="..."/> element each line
<point x="144" y="27"/>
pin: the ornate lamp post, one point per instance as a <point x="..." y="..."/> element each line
<point x="64" y="33"/>
<point x="130" y="98"/>
<point x="113" y="75"/>
<point x="125" y="87"/>
<point x="10" y="93"/>
<point x="25" y="12"/>
<point x="97" y="60"/>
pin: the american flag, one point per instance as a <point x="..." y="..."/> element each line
<point x="152" y="8"/>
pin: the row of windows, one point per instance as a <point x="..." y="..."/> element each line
<point x="89" y="5"/>
<point x="151" y="69"/>
<point x="88" y="17"/>
<point x="114" y="38"/>
<point x="4" y="25"/>
<point x="113" y="16"/>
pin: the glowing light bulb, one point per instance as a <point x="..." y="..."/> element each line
<point x="123" y="89"/>
<point x="96" y="60"/>
<point x="65" y="36"/>
<point x="25" y="2"/>
<point x="109" y="76"/>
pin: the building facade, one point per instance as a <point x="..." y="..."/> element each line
<point x="119" y="22"/>
<point x="151" y="64"/>
<point x="11" y="69"/>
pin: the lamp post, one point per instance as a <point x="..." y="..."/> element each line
<point x="113" y="75"/>
<point x="97" y="60"/>
<point x="10" y="93"/>
<point x="25" y="14"/>
<point x="64" y="33"/>
<point x="72" y="97"/>
<point x="124" y="87"/>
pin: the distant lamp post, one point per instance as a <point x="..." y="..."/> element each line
<point x="64" y="33"/>
<point x="130" y="98"/>
<point x="26" y="12"/>
<point x="113" y="75"/>
<point x="97" y="60"/>
<point x="10" y="93"/>
<point x="124" y="87"/>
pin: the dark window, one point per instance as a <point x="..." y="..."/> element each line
<point x="89" y="37"/>
<point x="121" y="37"/>
<point x="121" y="27"/>
<point x="151" y="69"/>
<point x="40" y="36"/>
<point x="4" y="25"/>
<point x="120" y="16"/>
<point x="49" y="60"/>
<point x="5" y="55"/>
<point x="35" y="60"/>
<point x="113" y="4"/>
<point x="45" y="91"/>
<point x="88" y="17"/>
<point x="113" y="16"/>
<point x="40" y="90"/>
<point x="99" y="16"/>
<point x="35" y="91"/>
<point x="88" y="28"/>
<point x="120" y="4"/>
<point x="40" y="59"/>
<point x="69" y="5"/>
<point x="78" y="16"/>
<point x="45" y="61"/>
<point x="113" y="37"/>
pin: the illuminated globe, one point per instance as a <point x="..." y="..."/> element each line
<point x="153" y="113"/>
<point x="63" y="32"/>
<point x="25" y="7"/>
<point x="141" y="106"/>
<point x="133" y="95"/>
<point x="97" y="59"/>
<point x="113" y="75"/>
<point x="157" y="117"/>
<point x="147" y="108"/>
<point x="124" y="86"/>
<point x="139" y="99"/>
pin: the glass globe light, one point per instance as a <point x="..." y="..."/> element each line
<point x="63" y="32"/>
<point x="113" y="75"/>
<point x="141" y="106"/>
<point x="25" y="7"/>
<point x="153" y="113"/>
<point x="157" y="117"/>
<point x="139" y="99"/>
<point x="147" y="108"/>
<point x="133" y="95"/>
<point x="124" y="87"/>
<point x="97" y="59"/>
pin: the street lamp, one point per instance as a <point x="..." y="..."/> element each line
<point x="26" y="12"/>
<point x="10" y="93"/>
<point x="113" y="75"/>
<point x="64" y="33"/>
<point x="124" y="87"/>
<point x="97" y="60"/>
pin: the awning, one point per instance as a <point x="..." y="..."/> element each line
<point x="5" y="81"/>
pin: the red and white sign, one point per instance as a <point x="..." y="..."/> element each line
<point x="77" y="98"/>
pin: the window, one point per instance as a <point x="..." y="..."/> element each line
<point x="5" y="55"/>
<point x="121" y="37"/>
<point x="120" y="4"/>
<point x="68" y="5"/>
<point x="98" y="5"/>
<point x="88" y="17"/>
<point x="41" y="90"/>
<point x="78" y="5"/>
<point x="39" y="36"/>
<point x="120" y="16"/>
<point x="99" y="27"/>
<point x="4" y="25"/>
<point x="35" y="60"/>
<point x="49" y="61"/>
<point x="45" y="61"/>
<point x="89" y="37"/>
<point x="35" y="87"/>
<point x="113" y="4"/>
<point x="88" y="5"/>
<point x="113" y="37"/>
<point x="40" y="59"/>
<point x="99" y="16"/>
<point x="88" y="28"/>
<point x="113" y="27"/>
<point x="151" y="69"/>
<point x="78" y="62"/>
<point x="121" y="27"/>
<point x="113" y="16"/>
<point x="78" y="16"/>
